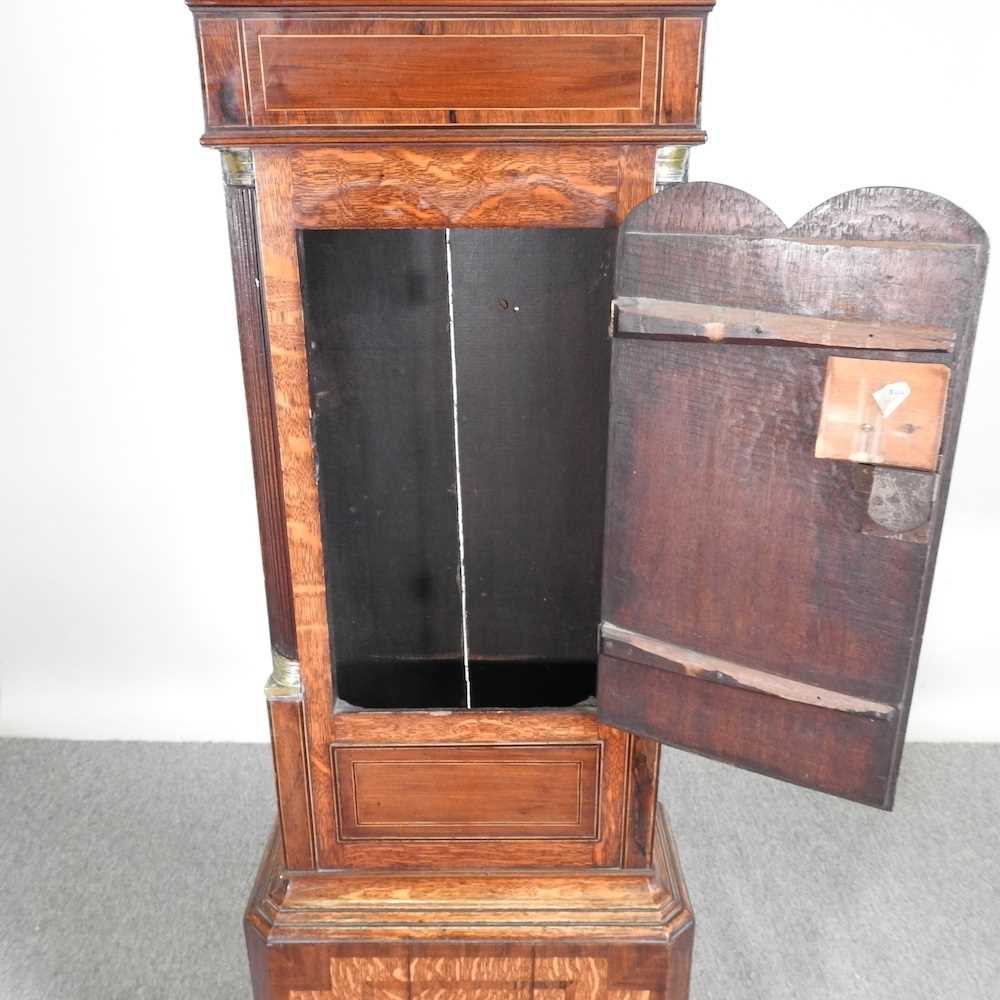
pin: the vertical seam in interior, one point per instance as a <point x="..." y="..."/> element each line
<point x="458" y="469"/>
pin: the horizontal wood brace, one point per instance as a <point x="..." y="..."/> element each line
<point x="624" y="644"/>
<point x="665" y="319"/>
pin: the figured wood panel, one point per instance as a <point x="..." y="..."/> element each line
<point x="371" y="976"/>
<point x="481" y="972"/>
<point x="883" y="412"/>
<point x="683" y="42"/>
<point x="751" y="611"/>
<point x="401" y="187"/>
<point x="509" y="71"/>
<point x="416" y="792"/>
<point x="222" y="72"/>
<point x="472" y="977"/>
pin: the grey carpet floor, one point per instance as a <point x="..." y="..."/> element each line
<point x="124" y="869"/>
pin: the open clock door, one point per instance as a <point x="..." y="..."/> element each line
<point x="784" y="410"/>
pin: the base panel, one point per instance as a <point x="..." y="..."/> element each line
<point x="593" y="934"/>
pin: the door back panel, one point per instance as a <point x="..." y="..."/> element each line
<point x="784" y="410"/>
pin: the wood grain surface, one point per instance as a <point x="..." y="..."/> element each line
<point x="333" y="188"/>
<point x="291" y="774"/>
<point x="651" y="903"/>
<point x="550" y="767"/>
<point x="458" y="71"/>
<point x="403" y="187"/>
<point x="623" y="644"/>
<point x="551" y="73"/>
<point x="855" y="426"/>
<point x="771" y="625"/>
<point x="663" y="319"/>
<point x="501" y="791"/>
<point x="281" y="285"/>
<point x="683" y="47"/>
<point x="835" y="752"/>
<point x="544" y="934"/>
<point x="223" y="85"/>
<point x="397" y="187"/>
<point x="640" y="808"/>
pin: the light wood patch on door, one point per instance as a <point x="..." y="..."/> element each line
<point x="883" y="412"/>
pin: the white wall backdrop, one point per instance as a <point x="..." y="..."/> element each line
<point x="131" y="602"/>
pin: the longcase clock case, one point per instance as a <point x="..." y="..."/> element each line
<point x="552" y="468"/>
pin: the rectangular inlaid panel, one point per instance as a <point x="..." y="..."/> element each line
<point x="510" y="71"/>
<point x="499" y="791"/>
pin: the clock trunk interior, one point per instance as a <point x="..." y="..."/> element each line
<point x="459" y="394"/>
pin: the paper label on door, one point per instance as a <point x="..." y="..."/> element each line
<point x="890" y="397"/>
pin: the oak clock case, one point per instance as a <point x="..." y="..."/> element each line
<point x="507" y="554"/>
